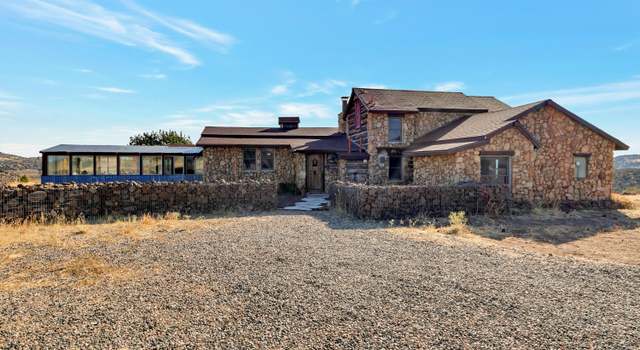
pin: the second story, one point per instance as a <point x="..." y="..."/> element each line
<point x="393" y="119"/>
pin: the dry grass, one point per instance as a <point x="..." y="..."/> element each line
<point x="77" y="233"/>
<point x="626" y="201"/>
<point x="85" y="270"/>
<point x="606" y="235"/>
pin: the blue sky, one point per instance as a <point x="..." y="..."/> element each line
<point x="97" y="72"/>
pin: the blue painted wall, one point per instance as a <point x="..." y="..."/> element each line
<point x="118" y="178"/>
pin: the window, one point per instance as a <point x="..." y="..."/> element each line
<point x="106" y="165"/>
<point x="129" y="165"/>
<point x="249" y="159"/>
<point x="173" y="165"/>
<point x="395" y="129"/>
<point x="82" y="165"/>
<point x="582" y="166"/>
<point x="266" y="159"/>
<point x="189" y="165"/>
<point x="395" y="167"/>
<point x="151" y="165"/>
<point x="57" y="165"/>
<point x="199" y="165"/>
<point x="495" y="170"/>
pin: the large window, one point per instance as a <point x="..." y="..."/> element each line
<point x="106" y="165"/>
<point x="129" y="165"/>
<point x="395" y="167"/>
<point x="249" y="159"/>
<point x="495" y="170"/>
<point x="82" y="165"/>
<point x="395" y="128"/>
<point x="199" y="165"/>
<point x="151" y="165"/>
<point x="582" y="166"/>
<point x="57" y="165"/>
<point x="173" y="165"/>
<point x="266" y="159"/>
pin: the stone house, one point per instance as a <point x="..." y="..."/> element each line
<point x="540" y="150"/>
<point x="304" y="158"/>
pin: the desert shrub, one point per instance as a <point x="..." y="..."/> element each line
<point x="23" y="179"/>
<point x="457" y="218"/>
<point x="633" y="190"/>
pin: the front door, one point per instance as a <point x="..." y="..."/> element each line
<point x="315" y="173"/>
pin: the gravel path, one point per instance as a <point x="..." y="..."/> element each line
<point x="283" y="280"/>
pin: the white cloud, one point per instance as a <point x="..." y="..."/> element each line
<point x="218" y="107"/>
<point x="154" y="76"/>
<point x="584" y="96"/>
<point x="247" y="118"/>
<point x="83" y="70"/>
<point x="8" y="103"/>
<point x="127" y="29"/>
<point x="186" y="27"/>
<point x="115" y="90"/>
<point x="185" y="122"/>
<point x="280" y="89"/>
<point x="306" y="109"/>
<point x="449" y="86"/>
<point x="373" y="86"/>
<point x="324" y="87"/>
<point x="355" y="3"/>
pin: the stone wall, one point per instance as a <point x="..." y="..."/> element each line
<point x="226" y="163"/>
<point x="414" y="125"/>
<point x="546" y="174"/>
<point x="396" y="202"/>
<point x="95" y="200"/>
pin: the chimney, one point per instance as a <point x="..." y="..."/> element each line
<point x="289" y="123"/>
<point x="345" y="101"/>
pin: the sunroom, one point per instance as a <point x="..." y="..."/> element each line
<point x="90" y="163"/>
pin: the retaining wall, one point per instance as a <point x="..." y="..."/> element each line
<point x="95" y="200"/>
<point x="396" y="202"/>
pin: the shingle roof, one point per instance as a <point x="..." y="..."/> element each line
<point x="412" y="100"/>
<point x="223" y="131"/>
<point x="465" y="132"/>
<point x="492" y="103"/>
<point x="110" y="149"/>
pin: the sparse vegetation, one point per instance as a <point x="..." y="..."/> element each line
<point x="160" y="138"/>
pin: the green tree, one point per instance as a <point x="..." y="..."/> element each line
<point x="160" y="138"/>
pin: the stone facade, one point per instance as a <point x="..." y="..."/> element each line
<point x="398" y="202"/>
<point x="53" y="202"/>
<point x="414" y="125"/>
<point x="226" y="163"/>
<point x="546" y="174"/>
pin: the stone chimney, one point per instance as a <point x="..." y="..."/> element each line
<point x="289" y="123"/>
<point x="345" y="101"/>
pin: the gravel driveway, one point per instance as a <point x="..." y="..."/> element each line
<point x="282" y="280"/>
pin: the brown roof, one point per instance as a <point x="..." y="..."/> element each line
<point x="413" y="100"/>
<point x="492" y="103"/>
<point x="224" y="131"/>
<point x="316" y="139"/>
<point x="465" y="132"/>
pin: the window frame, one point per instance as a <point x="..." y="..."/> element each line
<point x="66" y="161"/>
<point x="587" y="158"/>
<point x="273" y="159"/>
<point x="87" y="157"/>
<point x="399" y="118"/>
<point x="244" y="159"/>
<point x="137" y="162"/>
<point x="497" y="157"/>
<point x="399" y="167"/>
<point x="97" y="163"/>
<point x="159" y="165"/>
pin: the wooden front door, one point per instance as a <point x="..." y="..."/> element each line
<point x="315" y="173"/>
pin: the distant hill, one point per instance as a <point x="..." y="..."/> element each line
<point x="10" y="162"/>
<point x="13" y="167"/>
<point x="629" y="161"/>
